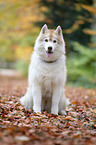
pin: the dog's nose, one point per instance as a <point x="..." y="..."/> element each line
<point x="49" y="48"/>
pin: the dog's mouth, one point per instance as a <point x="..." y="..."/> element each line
<point x="49" y="53"/>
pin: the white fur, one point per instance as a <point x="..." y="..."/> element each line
<point x="47" y="75"/>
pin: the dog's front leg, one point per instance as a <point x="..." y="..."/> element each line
<point x="55" y="100"/>
<point x="36" y="91"/>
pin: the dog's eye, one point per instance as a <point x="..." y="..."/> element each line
<point x="54" y="41"/>
<point x="46" y="40"/>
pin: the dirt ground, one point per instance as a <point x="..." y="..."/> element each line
<point x="20" y="126"/>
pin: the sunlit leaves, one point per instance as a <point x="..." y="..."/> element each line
<point x="23" y="53"/>
<point x="89" y="8"/>
<point x="90" y="32"/>
<point x="17" y="20"/>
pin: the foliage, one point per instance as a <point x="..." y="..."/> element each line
<point x="22" y="126"/>
<point x="82" y="66"/>
<point x="17" y="28"/>
<point x="22" y="67"/>
<point x="7" y="53"/>
<point x="74" y="18"/>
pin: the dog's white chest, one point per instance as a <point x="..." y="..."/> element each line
<point x="46" y="74"/>
<point x="49" y="74"/>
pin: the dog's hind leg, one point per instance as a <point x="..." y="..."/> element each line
<point x="27" y="99"/>
<point x="63" y="104"/>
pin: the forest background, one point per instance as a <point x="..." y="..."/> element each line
<point x="20" y="24"/>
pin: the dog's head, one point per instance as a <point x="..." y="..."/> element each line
<point x="50" y="44"/>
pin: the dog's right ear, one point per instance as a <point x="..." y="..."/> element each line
<point x="44" y="29"/>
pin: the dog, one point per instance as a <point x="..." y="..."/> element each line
<point x="47" y="74"/>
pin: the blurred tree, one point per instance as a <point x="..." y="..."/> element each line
<point x="17" y="29"/>
<point x="72" y="15"/>
<point x="93" y="38"/>
<point x="82" y="69"/>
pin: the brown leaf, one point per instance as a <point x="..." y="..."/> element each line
<point x="69" y="118"/>
<point x="22" y="138"/>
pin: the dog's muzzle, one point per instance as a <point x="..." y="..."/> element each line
<point x="49" y="52"/>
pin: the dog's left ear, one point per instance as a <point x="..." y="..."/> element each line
<point x="59" y="31"/>
<point x="44" y="29"/>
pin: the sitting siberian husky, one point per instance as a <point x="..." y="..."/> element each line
<point x="47" y="74"/>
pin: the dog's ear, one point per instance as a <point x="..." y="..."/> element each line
<point x="44" y="29"/>
<point x="59" y="31"/>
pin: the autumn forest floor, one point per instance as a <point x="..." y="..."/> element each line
<point x="19" y="126"/>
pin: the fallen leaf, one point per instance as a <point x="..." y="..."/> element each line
<point x="68" y="118"/>
<point x="22" y="138"/>
<point x="78" y="135"/>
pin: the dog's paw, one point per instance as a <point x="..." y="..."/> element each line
<point x="62" y="112"/>
<point x="67" y="103"/>
<point x="37" y="109"/>
<point x="22" y="100"/>
<point x="37" y="112"/>
<point x="26" y="102"/>
<point x="54" y="111"/>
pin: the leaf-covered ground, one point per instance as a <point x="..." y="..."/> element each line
<point x="19" y="126"/>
